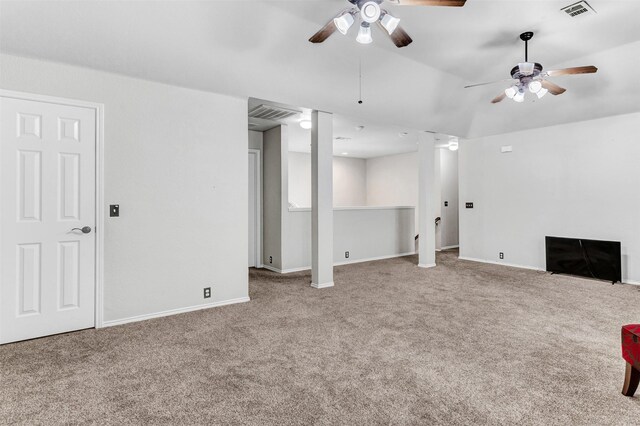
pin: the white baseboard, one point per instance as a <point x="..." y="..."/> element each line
<point x="173" y="312"/>
<point x="449" y="247"/>
<point x="286" y="271"/>
<point x="323" y="285"/>
<point x="348" y="262"/>
<point x="371" y="259"/>
<point x="492" y="262"/>
<point x="426" y="265"/>
<point x="533" y="268"/>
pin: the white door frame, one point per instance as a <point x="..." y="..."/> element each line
<point x="258" y="209"/>
<point x="99" y="189"/>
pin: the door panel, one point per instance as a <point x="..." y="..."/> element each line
<point x="47" y="187"/>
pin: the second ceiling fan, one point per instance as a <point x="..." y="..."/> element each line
<point x="370" y="12"/>
<point x="529" y="77"/>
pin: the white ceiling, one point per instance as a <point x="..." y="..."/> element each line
<point x="260" y="49"/>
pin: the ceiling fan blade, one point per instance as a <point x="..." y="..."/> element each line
<point x="399" y="37"/>
<point x="491" y="82"/>
<point x="324" y="32"/>
<point x="554" y="89"/>
<point x="575" y="70"/>
<point x="499" y="98"/>
<point x="453" y="3"/>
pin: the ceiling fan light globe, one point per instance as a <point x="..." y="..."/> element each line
<point x="535" y="86"/>
<point x="344" y="22"/>
<point x="511" y="92"/>
<point x="370" y="12"/>
<point x="541" y="92"/>
<point x="519" y="97"/>
<point x="390" y="23"/>
<point x="364" y="34"/>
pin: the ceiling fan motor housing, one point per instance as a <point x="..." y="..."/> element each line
<point x="517" y="75"/>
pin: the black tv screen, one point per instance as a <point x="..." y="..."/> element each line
<point x="586" y="258"/>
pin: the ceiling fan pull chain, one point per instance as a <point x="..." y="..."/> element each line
<point x="360" y="80"/>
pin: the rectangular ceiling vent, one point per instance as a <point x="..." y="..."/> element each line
<point x="270" y="112"/>
<point x="581" y="8"/>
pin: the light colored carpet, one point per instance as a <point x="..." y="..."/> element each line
<point x="462" y="343"/>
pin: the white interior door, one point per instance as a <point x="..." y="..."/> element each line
<point x="252" y="209"/>
<point x="47" y="187"/>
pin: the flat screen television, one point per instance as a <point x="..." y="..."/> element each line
<point x="586" y="258"/>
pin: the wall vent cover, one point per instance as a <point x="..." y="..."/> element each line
<point x="580" y="8"/>
<point x="270" y="112"/>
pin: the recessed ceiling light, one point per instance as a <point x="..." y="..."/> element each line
<point x="359" y="128"/>
<point x="345" y="153"/>
<point x="305" y="124"/>
<point x="403" y="134"/>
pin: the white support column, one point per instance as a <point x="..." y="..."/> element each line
<point x="426" y="200"/>
<point x="321" y="200"/>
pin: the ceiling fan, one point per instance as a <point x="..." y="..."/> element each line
<point x="529" y="76"/>
<point x="370" y="12"/>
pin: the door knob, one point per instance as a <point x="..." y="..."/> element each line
<point x="84" y="229"/>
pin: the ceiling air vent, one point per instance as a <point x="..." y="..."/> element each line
<point x="578" y="9"/>
<point x="270" y="112"/>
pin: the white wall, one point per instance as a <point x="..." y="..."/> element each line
<point x="393" y="181"/>
<point x="349" y="180"/>
<point x="300" y="179"/>
<point x="576" y="180"/>
<point x="367" y="233"/>
<point x="274" y="190"/>
<point x="176" y="163"/>
<point x="255" y="140"/>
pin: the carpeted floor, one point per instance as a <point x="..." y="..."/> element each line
<point x="462" y="343"/>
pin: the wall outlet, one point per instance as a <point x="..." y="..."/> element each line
<point x="501" y="255"/>
<point x="270" y="259"/>
<point x="207" y="292"/>
<point x="346" y="254"/>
